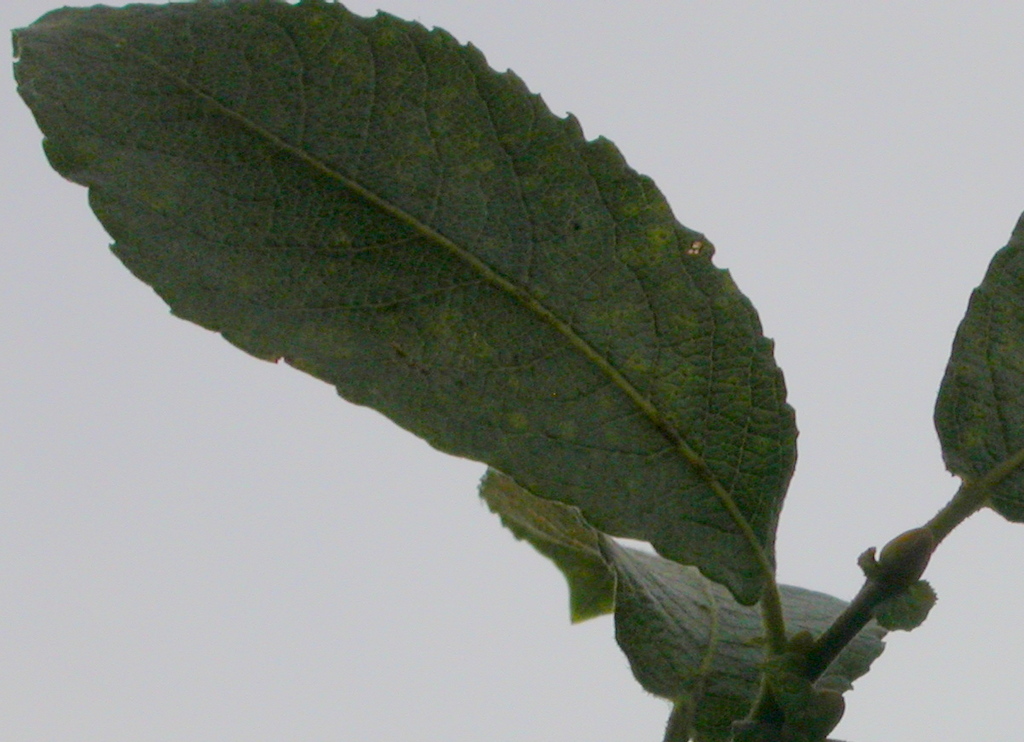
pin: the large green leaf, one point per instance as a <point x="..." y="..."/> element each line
<point x="685" y="637"/>
<point x="368" y="201"/>
<point x="979" y="414"/>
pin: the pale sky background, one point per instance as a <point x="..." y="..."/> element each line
<point x="196" y="546"/>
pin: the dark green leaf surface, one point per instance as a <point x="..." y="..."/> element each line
<point x="686" y="638"/>
<point x="979" y="414"/>
<point x="368" y="201"/>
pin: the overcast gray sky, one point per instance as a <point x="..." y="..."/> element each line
<point x="196" y="546"/>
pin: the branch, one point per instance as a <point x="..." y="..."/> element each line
<point x="900" y="565"/>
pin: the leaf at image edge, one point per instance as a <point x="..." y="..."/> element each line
<point x="713" y="666"/>
<point x="979" y="413"/>
<point x="685" y="637"/>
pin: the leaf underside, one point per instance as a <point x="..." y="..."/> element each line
<point x="685" y="637"/>
<point x="979" y="414"/>
<point x="561" y="534"/>
<point x="368" y="201"/>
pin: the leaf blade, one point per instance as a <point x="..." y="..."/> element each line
<point x="714" y="667"/>
<point x="558" y="532"/>
<point x="685" y="637"/>
<point x="979" y="413"/>
<point x="429" y="238"/>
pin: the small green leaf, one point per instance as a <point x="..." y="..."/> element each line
<point x="368" y="201"/>
<point x="686" y="638"/>
<point x="558" y="532"/>
<point x="979" y="414"/>
<point x="907" y="610"/>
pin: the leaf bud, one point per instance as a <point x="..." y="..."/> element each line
<point x="827" y="707"/>
<point x="801" y="642"/>
<point x="903" y="560"/>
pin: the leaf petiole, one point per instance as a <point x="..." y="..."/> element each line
<point x="971" y="497"/>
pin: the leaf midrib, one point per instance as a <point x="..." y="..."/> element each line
<point x="489" y="274"/>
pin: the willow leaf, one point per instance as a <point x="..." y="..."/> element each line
<point x="979" y="414"/>
<point x="368" y="201"/>
<point x="686" y="638"/>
